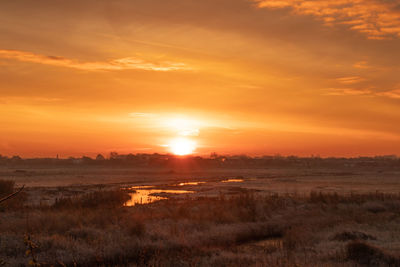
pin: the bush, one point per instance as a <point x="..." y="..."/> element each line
<point x="353" y="235"/>
<point x="6" y="187"/>
<point x="136" y="228"/>
<point x="374" y="207"/>
<point x="369" y="255"/>
<point x="294" y="238"/>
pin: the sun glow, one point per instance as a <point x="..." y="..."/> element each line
<point x="184" y="126"/>
<point x="182" y="146"/>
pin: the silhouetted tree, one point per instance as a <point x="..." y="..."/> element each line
<point x="214" y="155"/>
<point x="86" y="159"/>
<point x="113" y="155"/>
<point x="100" y="157"/>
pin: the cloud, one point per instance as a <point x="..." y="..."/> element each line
<point x="391" y="94"/>
<point x="361" y="65"/>
<point x="394" y="94"/>
<point x="127" y="63"/>
<point x="377" y="19"/>
<point x="348" y="91"/>
<point x="28" y="99"/>
<point x="142" y="114"/>
<point x="350" y="80"/>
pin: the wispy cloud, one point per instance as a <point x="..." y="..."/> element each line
<point x="350" y="80"/>
<point x="391" y="94"/>
<point x="394" y="93"/>
<point x="361" y="65"/>
<point x="142" y="114"/>
<point x="348" y="91"/>
<point x="127" y="63"/>
<point x="377" y="19"/>
<point x="27" y="99"/>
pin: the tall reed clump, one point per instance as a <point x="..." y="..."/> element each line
<point x="111" y="198"/>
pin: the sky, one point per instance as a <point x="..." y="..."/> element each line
<point x="256" y="77"/>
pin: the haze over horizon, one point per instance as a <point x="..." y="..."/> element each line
<point x="256" y="77"/>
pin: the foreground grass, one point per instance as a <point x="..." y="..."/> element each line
<point x="95" y="229"/>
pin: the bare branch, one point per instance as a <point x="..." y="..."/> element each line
<point x="12" y="195"/>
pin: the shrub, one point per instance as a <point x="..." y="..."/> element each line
<point x="374" y="207"/>
<point x="353" y="235"/>
<point x="259" y="232"/>
<point x="6" y="187"/>
<point x="136" y="228"/>
<point x="369" y="255"/>
<point x="294" y="238"/>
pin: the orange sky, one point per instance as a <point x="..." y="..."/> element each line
<point x="233" y="76"/>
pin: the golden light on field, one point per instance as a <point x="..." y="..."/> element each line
<point x="182" y="146"/>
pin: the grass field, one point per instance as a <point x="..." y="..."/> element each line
<point x="263" y="217"/>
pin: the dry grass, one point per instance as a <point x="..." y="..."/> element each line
<point x="95" y="229"/>
<point x="92" y="200"/>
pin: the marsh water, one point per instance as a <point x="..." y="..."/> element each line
<point x="232" y="181"/>
<point x="191" y="183"/>
<point x="146" y="194"/>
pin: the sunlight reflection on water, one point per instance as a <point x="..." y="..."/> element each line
<point x="233" y="181"/>
<point x="146" y="196"/>
<point x="141" y="187"/>
<point x="191" y="183"/>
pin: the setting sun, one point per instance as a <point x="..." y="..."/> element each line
<point x="182" y="146"/>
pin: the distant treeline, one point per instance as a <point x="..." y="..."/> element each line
<point x="213" y="161"/>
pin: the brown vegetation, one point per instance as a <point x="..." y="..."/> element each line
<point x="366" y="254"/>
<point x="95" y="229"/>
